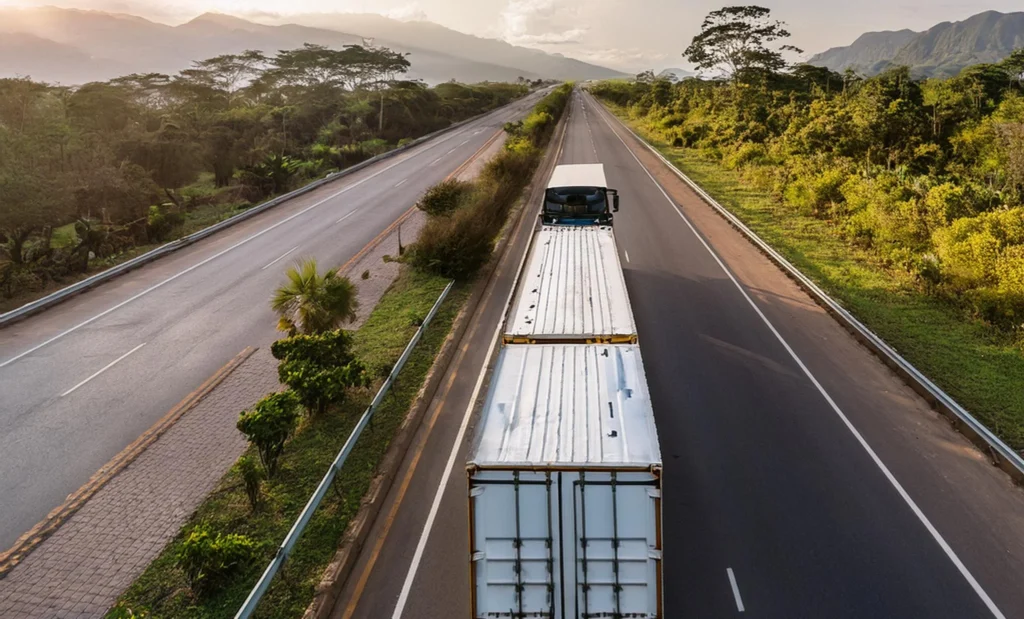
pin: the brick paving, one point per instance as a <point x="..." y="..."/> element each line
<point x="80" y="570"/>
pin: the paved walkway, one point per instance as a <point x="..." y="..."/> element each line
<point x="84" y="566"/>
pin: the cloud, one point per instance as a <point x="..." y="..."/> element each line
<point x="541" y="22"/>
<point x="407" y="12"/>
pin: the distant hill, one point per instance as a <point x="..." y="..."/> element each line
<point x="867" y="51"/>
<point x="941" y="51"/>
<point x="678" y="73"/>
<point x="23" y="55"/>
<point x="74" y="46"/>
<point x="431" y="36"/>
<point x="947" y="48"/>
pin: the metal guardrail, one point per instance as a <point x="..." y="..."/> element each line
<point x="253" y="600"/>
<point x="90" y="282"/>
<point x="1002" y="454"/>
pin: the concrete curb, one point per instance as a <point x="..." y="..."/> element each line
<point x="340" y="568"/>
<point x="1000" y="454"/>
<point x="91" y="282"/>
<point x="46" y="527"/>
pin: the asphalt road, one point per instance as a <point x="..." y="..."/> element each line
<point x="794" y="460"/>
<point x="83" y="380"/>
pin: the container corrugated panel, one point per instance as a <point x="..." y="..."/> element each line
<point x="568" y="405"/>
<point x="572" y="290"/>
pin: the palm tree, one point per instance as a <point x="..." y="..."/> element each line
<point x="312" y="303"/>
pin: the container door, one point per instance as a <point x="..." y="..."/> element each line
<point x="514" y="541"/>
<point x="614" y="519"/>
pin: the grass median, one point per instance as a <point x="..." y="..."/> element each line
<point x="978" y="365"/>
<point x="162" y="591"/>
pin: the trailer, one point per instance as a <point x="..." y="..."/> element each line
<point x="565" y="487"/>
<point x="571" y="290"/>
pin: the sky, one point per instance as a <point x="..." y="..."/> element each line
<point x="630" y="35"/>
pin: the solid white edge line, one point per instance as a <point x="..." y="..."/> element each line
<point x="860" y="439"/>
<point x="347" y="215"/>
<point x="282" y="256"/>
<point x="104" y="369"/>
<point x="222" y="252"/>
<point x="735" y="589"/>
<point x="421" y="546"/>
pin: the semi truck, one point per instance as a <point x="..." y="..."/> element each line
<point x="564" y="474"/>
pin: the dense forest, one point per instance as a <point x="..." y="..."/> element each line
<point x="93" y="171"/>
<point x="928" y="174"/>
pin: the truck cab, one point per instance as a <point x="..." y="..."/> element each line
<point x="578" y="195"/>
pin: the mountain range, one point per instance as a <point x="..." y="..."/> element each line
<point x="941" y="51"/>
<point x="71" y="46"/>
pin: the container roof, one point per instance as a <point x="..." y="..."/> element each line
<point x="572" y="288"/>
<point x="578" y="175"/>
<point x="568" y="405"/>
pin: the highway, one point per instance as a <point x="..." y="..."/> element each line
<point x="802" y="478"/>
<point x="84" y="379"/>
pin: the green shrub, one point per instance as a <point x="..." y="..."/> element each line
<point x="455" y="246"/>
<point x="252" y="476"/>
<point x="162" y="221"/>
<point x="269" y="424"/>
<point x="319" y="368"/>
<point x="209" y="560"/>
<point x="444" y="197"/>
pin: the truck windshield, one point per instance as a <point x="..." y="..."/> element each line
<point x="575" y="201"/>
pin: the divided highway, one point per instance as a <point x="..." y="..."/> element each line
<point x="81" y="381"/>
<point x="802" y="478"/>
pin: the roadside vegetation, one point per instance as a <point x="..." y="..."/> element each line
<point x="331" y="375"/>
<point x="463" y="218"/>
<point x="94" y="174"/>
<point x="903" y="198"/>
<point x="213" y="563"/>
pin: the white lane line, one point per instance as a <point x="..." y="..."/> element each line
<point x="735" y="589"/>
<point x="280" y="258"/>
<point x="464" y="142"/>
<point x="347" y="215"/>
<point x="975" y="585"/>
<point x="436" y="160"/>
<point x="417" y="557"/>
<point x="627" y="254"/>
<point x="220" y="253"/>
<point x="401" y="182"/>
<point x="451" y="151"/>
<point x="104" y="369"/>
<point x="410" y="576"/>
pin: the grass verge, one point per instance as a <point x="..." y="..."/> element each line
<point x="161" y="590"/>
<point x="979" y="366"/>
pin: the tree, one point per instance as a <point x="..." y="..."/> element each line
<point x="734" y="40"/>
<point x="268" y="426"/>
<point x="312" y="303"/>
<point x="319" y="368"/>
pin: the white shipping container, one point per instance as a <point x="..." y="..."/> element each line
<point x="571" y="290"/>
<point x="565" y="487"/>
